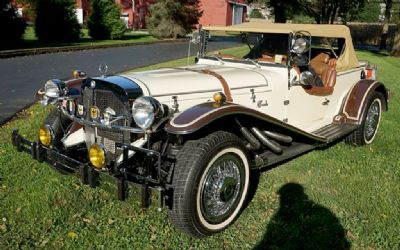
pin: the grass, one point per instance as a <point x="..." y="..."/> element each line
<point x="30" y="40"/>
<point x="339" y="197"/>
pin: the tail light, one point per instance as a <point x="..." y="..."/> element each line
<point x="370" y="72"/>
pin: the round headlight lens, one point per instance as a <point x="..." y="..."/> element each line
<point x="51" y="89"/>
<point x="145" y="110"/>
<point x="97" y="156"/>
<point x="45" y="136"/>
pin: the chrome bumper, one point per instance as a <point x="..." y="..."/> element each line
<point x="118" y="186"/>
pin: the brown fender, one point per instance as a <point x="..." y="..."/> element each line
<point x="357" y="99"/>
<point x="199" y="116"/>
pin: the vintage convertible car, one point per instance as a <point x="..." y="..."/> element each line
<point x="188" y="138"/>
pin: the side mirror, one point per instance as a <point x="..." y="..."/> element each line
<point x="300" y="46"/>
<point x="195" y="38"/>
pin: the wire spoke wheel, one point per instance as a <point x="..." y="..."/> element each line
<point x="210" y="182"/>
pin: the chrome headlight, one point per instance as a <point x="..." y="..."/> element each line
<point x="146" y="110"/>
<point x="300" y="46"/>
<point x="54" y="88"/>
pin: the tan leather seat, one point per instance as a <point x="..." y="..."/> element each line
<point x="325" y="68"/>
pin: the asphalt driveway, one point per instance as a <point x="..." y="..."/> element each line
<point x="21" y="77"/>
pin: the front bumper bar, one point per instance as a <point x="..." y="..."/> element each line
<point x="119" y="186"/>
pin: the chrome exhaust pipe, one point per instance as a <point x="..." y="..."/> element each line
<point x="278" y="137"/>
<point x="273" y="146"/>
<point x="254" y="144"/>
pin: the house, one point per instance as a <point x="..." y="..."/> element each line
<point x="223" y="12"/>
<point x="134" y="12"/>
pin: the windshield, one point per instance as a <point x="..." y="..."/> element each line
<point x="256" y="47"/>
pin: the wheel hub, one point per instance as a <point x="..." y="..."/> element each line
<point x="228" y="189"/>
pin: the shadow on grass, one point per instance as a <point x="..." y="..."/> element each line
<point x="301" y="223"/>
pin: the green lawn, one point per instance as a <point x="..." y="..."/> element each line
<point x="30" y="41"/>
<point x="351" y="198"/>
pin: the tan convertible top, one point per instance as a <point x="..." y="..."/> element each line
<point x="348" y="60"/>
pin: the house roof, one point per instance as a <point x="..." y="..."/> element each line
<point x="346" y="61"/>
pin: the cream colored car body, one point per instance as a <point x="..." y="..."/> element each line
<point x="269" y="84"/>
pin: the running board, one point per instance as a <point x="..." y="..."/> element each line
<point x="333" y="132"/>
<point x="269" y="158"/>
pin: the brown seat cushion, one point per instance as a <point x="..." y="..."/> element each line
<point x="325" y="68"/>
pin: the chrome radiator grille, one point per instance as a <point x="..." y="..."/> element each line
<point x="104" y="99"/>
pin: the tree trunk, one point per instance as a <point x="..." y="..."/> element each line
<point x="385" y="30"/>
<point x="279" y="10"/>
<point x="396" y="44"/>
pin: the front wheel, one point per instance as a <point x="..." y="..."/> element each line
<point x="211" y="180"/>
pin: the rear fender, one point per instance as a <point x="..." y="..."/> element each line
<point x="357" y="99"/>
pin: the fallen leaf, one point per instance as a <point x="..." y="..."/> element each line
<point x="86" y="220"/>
<point x="110" y="221"/>
<point x="18" y="210"/>
<point x="72" y="235"/>
<point x="350" y="235"/>
<point x="44" y="242"/>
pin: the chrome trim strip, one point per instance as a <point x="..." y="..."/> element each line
<point x="99" y="125"/>
<point x="251" y="86"/>
<point x="188" y="93"/>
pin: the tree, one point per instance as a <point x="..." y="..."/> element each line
<point x="385" y="30"/>
<point x="326" y="11"/>
<point x="396" y="44"/>
<point x="104" y="21"/>
<point x="369" y="14"/>
<point x="11" y="25"/>
<point x="323" y="11"/>
<point x="256" y="14"/>
<point x="171" y="19"/>
<point x="56" y="20"/>
<point x="284" y="9"/>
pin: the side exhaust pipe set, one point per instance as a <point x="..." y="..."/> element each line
<point x="267" y="138"/>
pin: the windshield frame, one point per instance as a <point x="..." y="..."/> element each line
<point x="204" y="54"/>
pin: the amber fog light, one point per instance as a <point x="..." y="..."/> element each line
<point x="97" y="156"/>
<point x="45" y="136"/>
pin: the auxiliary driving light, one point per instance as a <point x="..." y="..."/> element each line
<point x="97" y="156"/>
<point x="45" y="136"/>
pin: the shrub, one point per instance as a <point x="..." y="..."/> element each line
<point x="104" y="21"/>
<point x="370" y="33"/>
<point x="172" y="19"/>
<point x="255" y="13"/>
<point x="11" y="25"/>
<point x="56" y="20"/>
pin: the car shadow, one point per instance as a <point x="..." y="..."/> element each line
<point x="300" y="223"/>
